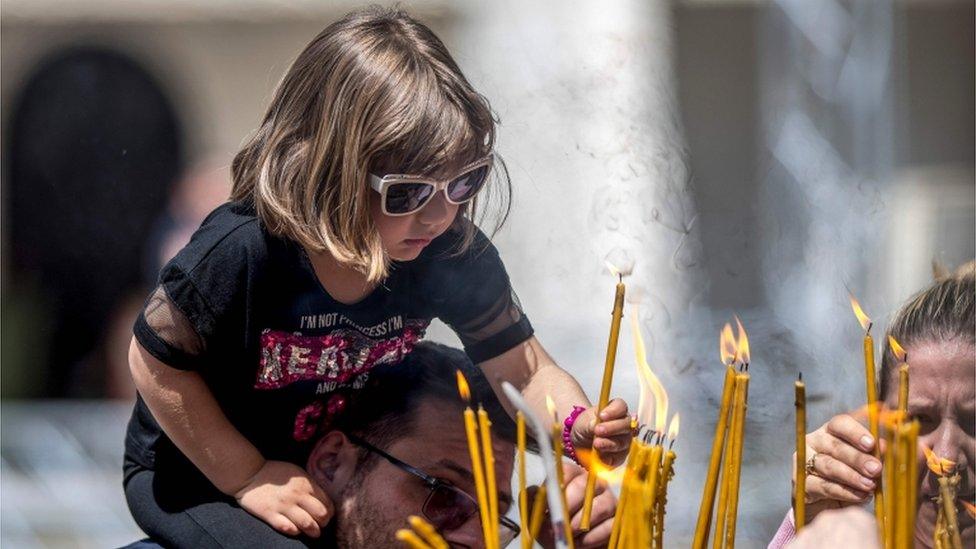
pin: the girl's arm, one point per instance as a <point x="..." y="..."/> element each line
<point x="529" y="367"/>
<point x="279" y="493"/>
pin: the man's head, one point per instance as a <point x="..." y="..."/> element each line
<point x="412" y="412"/>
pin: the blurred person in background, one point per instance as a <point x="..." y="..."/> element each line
<point x="94" y="148"/>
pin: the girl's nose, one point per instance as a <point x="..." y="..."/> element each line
<point x="436" y="211"/>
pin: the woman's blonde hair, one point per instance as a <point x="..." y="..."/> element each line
<point x="374" y="89"/>
<point x="942" y="312"/>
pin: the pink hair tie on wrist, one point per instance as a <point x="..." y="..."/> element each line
<point x="568" y="447"/>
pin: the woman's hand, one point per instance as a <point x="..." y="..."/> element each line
<point x="610" y="438"/>
<point x="285" y="497"/>
<point x="844" y="469"/>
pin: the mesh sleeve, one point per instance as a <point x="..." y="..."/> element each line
<point x="166" y="332"/>
<point x="472" y="293"/>
<point x="496" y="329"/>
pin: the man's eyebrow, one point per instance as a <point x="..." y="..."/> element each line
<point x="465" y="473"/>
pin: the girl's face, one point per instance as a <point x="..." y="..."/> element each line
<point x="404" y="237"/>
<point x="942" y="395"/>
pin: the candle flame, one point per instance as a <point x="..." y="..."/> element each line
<point x="890" y="418"/>
<point x="551" y="406"/>
<point x="970" y="508"/>
<point x="864" y="319"/>
<point x="726" y="346"/>
<point x="651" y="388"/>
<point x="936" y="463"/>
<point x="613" y="269"/>
<point x="463" y="388"/>
<point x="674" y="426"/>
<point x="897" y="349"/>
<point x="591" y="461"/>
<point x="742" y="344"/>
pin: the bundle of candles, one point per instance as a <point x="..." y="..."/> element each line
<point x="895" y="499"/>
<point x="726" y="457"/>
<point x="639" y="519"/>
<point x="946" y="535"/>
<point x="900" y="463"/>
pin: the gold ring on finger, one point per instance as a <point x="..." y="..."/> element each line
<point x="810" y="466"/>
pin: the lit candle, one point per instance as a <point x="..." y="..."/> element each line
<point x="611" y="358"/>
<point x="870" y="384"/>
<point x="470" y="429"/>
<point x="542" y="436"/>
<point x="523" y="496"/>
<point x="721" y="512"/>
<point x="944" y="469"/>
<point x="799" y="495"/>
<point x="650" y="491"/>
<point x="742" y="396"/>
<point x="667" y="472"/>
<point x="947" y="508"/>
<point x="711" y="481"/>
<point x="484" y="426"/>
<point x="618" y="517"/>
<point x="741" y="407"/>
<point x="902" y="357"/>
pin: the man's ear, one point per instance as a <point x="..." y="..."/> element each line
<point x="332" y="463"/>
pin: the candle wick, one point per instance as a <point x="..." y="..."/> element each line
<point x="801" y="376"/>
<point x="620" y="277"/>
<point x="870" y="325"/>
<point x="671" y="445"/>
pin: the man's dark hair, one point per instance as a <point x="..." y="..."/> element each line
<point x="385" y="410"/>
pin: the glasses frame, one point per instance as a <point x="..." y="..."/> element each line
<point x="383" y="184"/>
<point x="431" y="482"/>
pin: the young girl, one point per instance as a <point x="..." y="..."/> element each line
<point x="325" y="264"/>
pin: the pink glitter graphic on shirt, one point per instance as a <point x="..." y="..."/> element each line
<point x="337" y="357"/>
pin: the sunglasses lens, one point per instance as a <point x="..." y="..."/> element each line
<point x="467" y="185"/>
<point x="407" y="197"/>
<point x="448" y="508"/>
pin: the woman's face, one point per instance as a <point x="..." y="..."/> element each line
<point x="942" y="396"/>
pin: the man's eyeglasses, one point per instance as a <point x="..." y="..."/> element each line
<point x="447" y="507"/>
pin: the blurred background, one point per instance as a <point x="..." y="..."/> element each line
<point x="750" y="157"/>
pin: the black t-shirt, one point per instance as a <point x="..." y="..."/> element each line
<point x="245" y="309"/>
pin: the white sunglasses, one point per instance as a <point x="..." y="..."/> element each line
<point x="406" y="194"/>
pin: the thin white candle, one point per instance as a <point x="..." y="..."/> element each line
<point x="542" y="436"/>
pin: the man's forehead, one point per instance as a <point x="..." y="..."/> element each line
<point x="438" y="433"/>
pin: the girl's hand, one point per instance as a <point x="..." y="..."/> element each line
<point x="285" y="497"/>
<point x="844" y="469"/>
<point x="610" y="438"/>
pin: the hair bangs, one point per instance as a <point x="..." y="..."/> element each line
<point x="436" y="129"/>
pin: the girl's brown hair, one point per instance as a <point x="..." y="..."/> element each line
<point x="942" y="312"/>
<point x="376" y="89"/>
